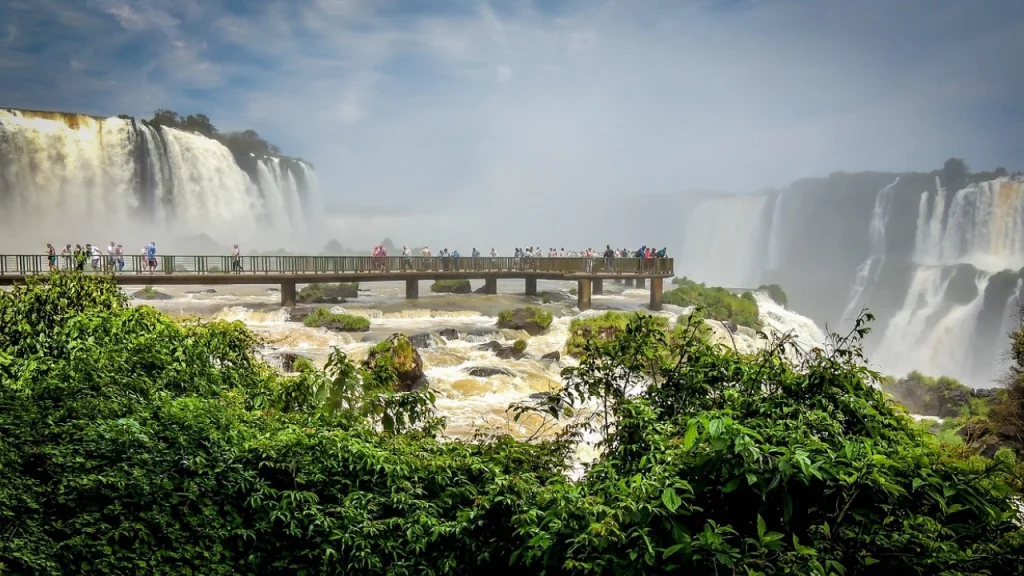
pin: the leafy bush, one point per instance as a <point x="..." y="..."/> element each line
<point x="528" y="315"/>
<point x="133" y="444"/>
<point x="572" y="291"/>
<point x="776" y="293"/>
<point x="451" y="287"/>
<point x="717" y="303"/>
<point x="605" y="327"/>
<point x="347" y="322"/>
<point x="328" y="293"/>
<point x="303" y="364"/>
<point x="519" y="346"/>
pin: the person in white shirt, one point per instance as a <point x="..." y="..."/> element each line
<point x="111" y="256"/>
<point x="406" y="259"/>
<point x="96" y="257"/>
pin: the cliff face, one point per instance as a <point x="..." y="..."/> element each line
<point x="938" y="265"/>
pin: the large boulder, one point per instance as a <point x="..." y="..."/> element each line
<point x="501" y="351"/>
<point x="488" y="371"/>
<point x="531" y="319"/>
<point x="449" y="334"/>
<point x="552" y="356"/>
<point x="423" y="340"/>
<point x="398" y="351"/>
<point x="148" y="293"/>
<point x="328" y="293"/>
<point x="451" y="287"/>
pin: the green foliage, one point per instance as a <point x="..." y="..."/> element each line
<point x="328" y="293"/>
<point x="605" y="327"/>
<point x="573" y="291"/>
<point x="347" y="322"/>
<point x="242" y="143"/>
<point x="451" y="287"/>
<point x="133" y="444"/>
<point x="533" y="315"/>
<point x="303" y="364"/>
<point x="540" y="317"/>
<point x="717" y="302"/>
<point x="519" y="346"/>
<point x="776" y="293"/>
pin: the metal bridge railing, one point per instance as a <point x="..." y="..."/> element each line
<point x="26" y="265"/>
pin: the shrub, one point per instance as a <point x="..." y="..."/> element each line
<point x="346" y="322"/>
<point x="519" y="346"/>
<point x="303" y="364"/>
<point x="451" y="287"/>
<point x="717" y="303"/>
<point x="572" y="291"/>
<point x="605" y="327"/>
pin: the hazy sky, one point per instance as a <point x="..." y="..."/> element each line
<point x="494" y="109"/>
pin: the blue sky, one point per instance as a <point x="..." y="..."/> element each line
<point x="466" y="103"/>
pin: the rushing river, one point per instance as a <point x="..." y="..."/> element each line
<point x="471" y="404"/>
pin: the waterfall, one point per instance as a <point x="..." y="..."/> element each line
<point x="723" y="236"/>
<point x="868" y="271"/>
<point x="1011" y="320"/>
<point x="76" y="178"/>
<point x="929" y="333"/>
<point x="775" y="236"/>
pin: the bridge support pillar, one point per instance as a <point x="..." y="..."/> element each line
<point x="531" y="286"/>
<point x="491" y="285"/>
<point x="657" y="289"/>
<point x="288" y="294"/>
<point x="642" y="282"/>
<point x="583" y="289"/>
<point x="628" y="282"/>
<point x="412" y="289"/>
<point x="598" y="286"/>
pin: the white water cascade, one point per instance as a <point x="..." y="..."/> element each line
<point x="775" y="235"/>
<point x="76" y="178"/>
<point x="867" y="272"/>
<point x="722" y="241"/>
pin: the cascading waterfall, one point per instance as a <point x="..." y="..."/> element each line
<point x="76" y="178"/>
<point x="775" y="236"/>
<point x="723" y="239"/>
<point x="867" y="272"/>
<point x="1010" y="311"/>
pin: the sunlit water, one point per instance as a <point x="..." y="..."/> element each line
<point x="471" y="404"/>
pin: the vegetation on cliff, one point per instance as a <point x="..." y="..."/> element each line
<point x="533" y="319"/>
<point x="135" y="444"/>
<point x="776" y="293"/>
<point x="717" y="303"/>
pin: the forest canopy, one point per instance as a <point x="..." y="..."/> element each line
<point x="245" y="142"/>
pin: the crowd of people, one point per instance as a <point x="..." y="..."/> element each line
<point x="113" y="261"/>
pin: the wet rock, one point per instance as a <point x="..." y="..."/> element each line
<point x="343" y="327"/>
<point x="149" y="293"/>
<point x="449" y="334"/>
<point x="328" y="293"/>
<point x="298" y="314"/>
<point x="730" y="326"/>
<point x="451" y="287"/>
<point x="403" y="357"/>
<point x="540" y="396"/>
<point x="283" y="360"/>
<point x="488" y="371"/>
<point x="273" y="290"/>
<point x="492" y="346"/>
<point x="371" y="338"/>
<point x="422" y="340"/>
<point x="553" y="356"/>
<point x="532" y="320"/>
<point x="985" y="392"/>
<point x="508" y="353"/>
<point x="207" y="291"/>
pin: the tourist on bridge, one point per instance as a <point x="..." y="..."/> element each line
<point x="119" y="254"/>
<point x="455" y="260"/>
<point x="111" y="256"/>
<point x="95" y="255"/>
<point x="406" y="258"/>
<point x="236" y="260"/>
<point x="609" y="257"/>
<point x="51" y="256"/>
<point x="67" y="254"/>
<point x="150" y="256"/>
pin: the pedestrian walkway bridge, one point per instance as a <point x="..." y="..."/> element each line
<point x="288" y="271"/>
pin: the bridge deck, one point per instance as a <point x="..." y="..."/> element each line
<point x="288" y="271"/>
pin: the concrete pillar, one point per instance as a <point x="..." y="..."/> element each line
<point x="288" y="294"/>
<point x="641" y="283"/>
<point x="598" y="286"/>
<point x="657" y="288"/>
<point x="491" y="285"/>
<point x="412" y="289"/>
<point x="531" y="286"/>
<point x="583" y="288"/>
<point x="629" y="282"/>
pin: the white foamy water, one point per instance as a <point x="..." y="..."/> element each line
<point x="76" y="178"/>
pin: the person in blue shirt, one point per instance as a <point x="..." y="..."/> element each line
<point x="455" y="258"/>
<point x="151" y="255"/>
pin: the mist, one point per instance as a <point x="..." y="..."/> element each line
<point x="515" y="123"/>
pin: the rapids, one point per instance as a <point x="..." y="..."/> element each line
<point x="471" y="404"/>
